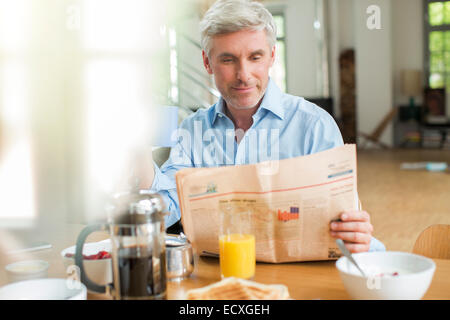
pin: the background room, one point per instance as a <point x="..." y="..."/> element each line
<point x="74" y="71"/>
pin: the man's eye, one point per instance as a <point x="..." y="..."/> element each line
<point x="227" y="60"/>
<point x="256" y="58"/>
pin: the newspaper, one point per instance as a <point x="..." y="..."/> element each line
<point x="292" y="203"/>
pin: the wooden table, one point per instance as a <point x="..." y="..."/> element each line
<point x="305" y="280"/>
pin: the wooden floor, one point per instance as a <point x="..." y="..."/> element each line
<point x="403" y="203"/>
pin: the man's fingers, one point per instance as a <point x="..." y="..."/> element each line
<point x="355" y="216"/>
<point x="364" y="227"/>
<point x="356" y="237"/>
<point x="357" y="247"/>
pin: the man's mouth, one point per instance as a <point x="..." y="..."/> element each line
<point x="243" y="89"/>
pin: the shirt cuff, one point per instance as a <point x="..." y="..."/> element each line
<point x="167" y="190"/>
<point x="376" y="245"/>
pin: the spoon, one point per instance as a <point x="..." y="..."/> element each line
<point x="348" y="254"/>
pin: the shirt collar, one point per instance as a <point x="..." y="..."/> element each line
<point x="218" y="109"/>
<point x="271" y="102"/>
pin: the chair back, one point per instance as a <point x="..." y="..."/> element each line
<point x="378" y="131"/>
<point x="434" y="242"/>
<point x="376" y="134"/>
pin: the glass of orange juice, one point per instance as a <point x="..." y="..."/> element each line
<point x="236" y="244"/>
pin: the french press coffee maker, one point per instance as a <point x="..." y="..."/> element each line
<point x="136" y="227"/>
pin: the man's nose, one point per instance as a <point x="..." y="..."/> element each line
<point x="243" y="72"/>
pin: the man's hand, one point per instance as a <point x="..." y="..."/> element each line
<point x="354" y="229"/>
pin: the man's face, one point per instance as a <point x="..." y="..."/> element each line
<point x="240" y="63"/>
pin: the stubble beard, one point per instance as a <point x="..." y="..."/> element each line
<point x="253" y="105"/>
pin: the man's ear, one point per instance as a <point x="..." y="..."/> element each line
<point x="272" y="56"/>
<point x="206" y="62"/>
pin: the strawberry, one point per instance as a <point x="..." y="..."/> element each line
<point x="98" y="256"/>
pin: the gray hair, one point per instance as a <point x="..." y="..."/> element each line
<point x="227" y="16"/>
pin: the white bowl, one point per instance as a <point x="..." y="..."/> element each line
<point x="99" y="271"/>
<point x="27" y="270"/>
<point x="44" y="289"/>
<point x="415" y="273"/>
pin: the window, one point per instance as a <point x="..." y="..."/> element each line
<point x="437" y="39"/>
<point x="78" y="80"/>
<point x="119" y="63"/>
<point x="278" y="71"/>
<point x="16" y="170"/>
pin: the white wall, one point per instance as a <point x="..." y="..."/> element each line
<point x="346" y="24"/>
<point x="341" y="36"/>
<point x="407" y="42"/>
<point x="403" y="20"/>
<point x="374" y="93"/>
<point x="301" y="50"/>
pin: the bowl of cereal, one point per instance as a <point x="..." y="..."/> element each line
<point x="389" y="275"/>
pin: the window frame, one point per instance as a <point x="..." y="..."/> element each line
<point x="280" y="12"/>
<point x="427" y="53"/>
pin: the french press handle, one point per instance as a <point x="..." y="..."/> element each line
<point x="79" y="261"/>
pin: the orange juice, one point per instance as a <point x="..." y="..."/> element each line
<point x="237" y="255"/>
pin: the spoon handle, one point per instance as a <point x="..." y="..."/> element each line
<point x="348" y="254"/>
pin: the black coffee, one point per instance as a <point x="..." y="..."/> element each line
<point x="141" y="274"/>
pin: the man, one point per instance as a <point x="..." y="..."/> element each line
<point x="238" y="39"/>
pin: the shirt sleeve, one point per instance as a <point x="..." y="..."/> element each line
<point x="166" y="187"/>
<point x="164" y="182"/>
<point x="324" y="135"/>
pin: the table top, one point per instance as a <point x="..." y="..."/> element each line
<point x="305" y="280"/>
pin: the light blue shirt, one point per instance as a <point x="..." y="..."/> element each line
<point x="284" y="126"/>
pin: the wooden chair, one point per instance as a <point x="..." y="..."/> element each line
<point x="434" y="242"/>
<point x="375" y="136"/>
